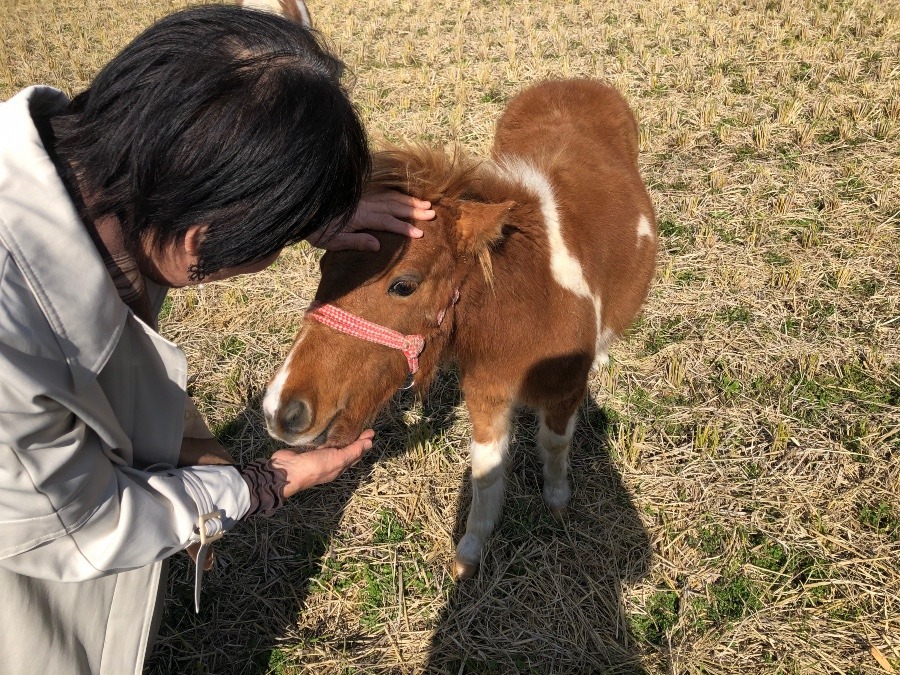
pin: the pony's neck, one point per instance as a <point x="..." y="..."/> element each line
<point x="488" y="292"/>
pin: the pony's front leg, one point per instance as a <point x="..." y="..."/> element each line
<point x="490" y="442"/>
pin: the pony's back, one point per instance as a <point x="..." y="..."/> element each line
<point x="582" y="136"/>
<point x="583" y="120"/>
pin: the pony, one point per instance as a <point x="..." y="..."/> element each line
<point x="538" y="259"/>
<point x="295" y="10"/>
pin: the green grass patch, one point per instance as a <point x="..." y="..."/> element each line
<point x="776" y="259"/>
<point x="379" y="586"/>
<point x="737" y="314"/>
<point x="687" y="277"/>
<point x="672" y="228"/>
<point x="791" y="326"/>
<point x="232" y="346"/>
<point x="882" y="517"/>
<point x="796" y="570"/>
<point x="670" y="330"/>
<point x="733" y="598"/>
<point x="659" y="618"/>
<point x="728" y="385"/>
<point x="493" y="96"/>
<point x="710" y="539"/>
<point x="813" y="398"/>
<point x="819" y="313"/>
<point x="279" y="662"/>
<point x="166" y="309"/>
<point x="389" y="530"/>
<point x="865" y="288"/>
<point x="753" y="470"/>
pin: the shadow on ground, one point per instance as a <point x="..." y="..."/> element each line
<point x="548" y="598"/>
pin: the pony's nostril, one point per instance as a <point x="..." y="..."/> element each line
<point x="294" y="416"/>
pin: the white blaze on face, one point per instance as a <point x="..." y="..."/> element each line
<point x="272" y="399"/>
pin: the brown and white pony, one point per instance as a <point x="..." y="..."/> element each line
<point x="538" y="259"/>
<point x="295" y="10"/>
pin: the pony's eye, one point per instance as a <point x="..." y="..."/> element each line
<point x="403" y="287"/>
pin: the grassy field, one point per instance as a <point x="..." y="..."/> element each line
<point x="737" y="467"/>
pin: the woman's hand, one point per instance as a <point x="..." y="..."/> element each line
<point x="322" y="465"/>
<point x="379" y="211"/>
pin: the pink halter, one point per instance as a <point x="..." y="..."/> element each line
<point x="350" y="324"/>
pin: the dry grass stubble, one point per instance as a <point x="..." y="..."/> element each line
<point x="736" y="471"/>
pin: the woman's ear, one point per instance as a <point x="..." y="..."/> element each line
<point x="193" y="237"/>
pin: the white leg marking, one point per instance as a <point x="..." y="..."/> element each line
<point x="605" y="339"/>
<point x="601" y="358"/>
<point x="554" y="450"/>
<point x="644" y="228"/>
<point x="488" y="484"/>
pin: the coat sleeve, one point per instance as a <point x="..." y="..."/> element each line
<point x="70" y="509"/>
<point x="68" y="512"/>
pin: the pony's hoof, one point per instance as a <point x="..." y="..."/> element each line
<point x="463" y="570"/>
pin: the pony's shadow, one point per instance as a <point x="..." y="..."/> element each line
<point x="548" y="597"/>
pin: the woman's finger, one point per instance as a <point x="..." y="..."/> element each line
<point x="408" y="211"/>
<point x="387" y="223"/>
<point x="387" y="196"/>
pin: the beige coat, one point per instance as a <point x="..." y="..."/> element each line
<point x="91" y="399"/>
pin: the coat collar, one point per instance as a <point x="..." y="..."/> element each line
<point x="44" y="235"/>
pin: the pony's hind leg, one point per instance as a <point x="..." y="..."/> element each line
<point x="490" y="442"/>
<point x="554" y="442"/>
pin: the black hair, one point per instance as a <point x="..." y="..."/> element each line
<point x="221" y="115"/>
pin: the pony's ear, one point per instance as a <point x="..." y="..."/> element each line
<point x="295" y="10"/>
<point x="481" y="225"/>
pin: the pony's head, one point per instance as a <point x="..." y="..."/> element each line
<point x="360" y="341"/>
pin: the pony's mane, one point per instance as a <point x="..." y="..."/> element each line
<point x="426" y="173"/>
<point x="433" y="174"/>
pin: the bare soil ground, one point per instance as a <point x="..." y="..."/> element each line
<point x="736" y="470"/>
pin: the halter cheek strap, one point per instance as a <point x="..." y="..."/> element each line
<point x="355" y="326"/>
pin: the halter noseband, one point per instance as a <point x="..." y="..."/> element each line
<point x="355" y="326"/>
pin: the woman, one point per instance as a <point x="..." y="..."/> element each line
<point x="215" y="139"/>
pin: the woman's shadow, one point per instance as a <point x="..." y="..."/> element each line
<point x="547" y="599"/>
